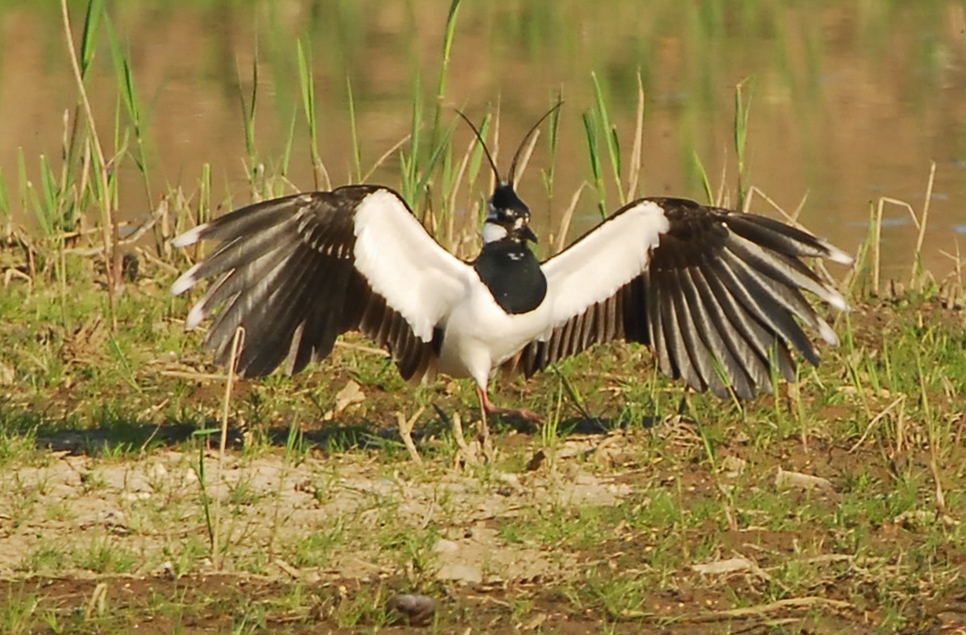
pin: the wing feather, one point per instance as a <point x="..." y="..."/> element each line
<point x="604" y="260"/>
<point x="748" y="341"/>
<point x="694" y="361"/>
<point x="298" y="271"/>
<point x="719" y="295"/>
<point x="727" y="372"/>
<point x="771" y="306"/>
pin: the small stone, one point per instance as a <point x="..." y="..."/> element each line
<point x="731" y="565"/>
<point x="797" y="480"/>
<point x="413" y="609"/>
<point x="167" y="571"/>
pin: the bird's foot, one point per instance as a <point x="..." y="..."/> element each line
<point x="490" y="408"/>
<point x="522" y="413"/>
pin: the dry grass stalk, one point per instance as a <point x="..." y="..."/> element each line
<point x="236" y="346"/>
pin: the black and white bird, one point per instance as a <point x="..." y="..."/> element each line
<point x="717" y="294"/>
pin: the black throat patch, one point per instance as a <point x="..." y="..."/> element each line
<point x="512" y="274"/>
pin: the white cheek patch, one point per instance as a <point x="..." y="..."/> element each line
<point x="493" y="232"/>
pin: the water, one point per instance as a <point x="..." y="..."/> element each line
<point x="852" y="100"/>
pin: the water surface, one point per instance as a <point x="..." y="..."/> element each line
<point x="851" y="101"/>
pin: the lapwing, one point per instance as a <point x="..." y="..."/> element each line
<point x="717" y="294"/>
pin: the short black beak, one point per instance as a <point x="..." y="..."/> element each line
<point x="529" y="235"/>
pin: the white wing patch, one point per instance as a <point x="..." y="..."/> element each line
<point x="403" y="264"/>
<point x="600" y="263"/>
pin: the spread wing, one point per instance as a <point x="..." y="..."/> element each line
<point x="298" y="271"/>
<point x="717" y="294"/>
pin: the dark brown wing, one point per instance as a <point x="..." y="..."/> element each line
<point x="719" y="296"/>
<point x="286" y="270"/>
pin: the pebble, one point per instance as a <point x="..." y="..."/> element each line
<point x="413" y="608"/>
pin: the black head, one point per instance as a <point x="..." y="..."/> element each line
<point x="509" y="216"/>
<point x="509" y="212"/>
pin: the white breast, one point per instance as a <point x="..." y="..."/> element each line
<point x="479" y="335"/>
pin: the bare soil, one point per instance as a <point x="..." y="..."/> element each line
<point x="180" y="539"/>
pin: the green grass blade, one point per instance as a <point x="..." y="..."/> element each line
<point x="95" y="9"/>
<point x="434" y="158"/>
<point x="129" y="97"/>
<point x="51" y="210"/>
<point x="410" y="162"/>
<point x="307" y="87"/>
<point x="5" y="212"/>
<point x="204" y="194"/>
<point x="610" y="136"/>
<point x="289" y="141"/>
<point x="124" y="365"/>
<point x="356" y="147"/>
<point x="743" y="93"/>
<point x="705" y="181"/>
<point x="553" y="137"/>
<point x="125" y="76"/>
<point x="23" y="183"/>
<point x="593" y="152"/>
<point x="249" y="109"/>
<point x="41" y="204"/>
<point x="454" y="8"/>
<point x="476" y="157"/>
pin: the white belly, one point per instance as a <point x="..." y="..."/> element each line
<point x="479" y="335"/>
